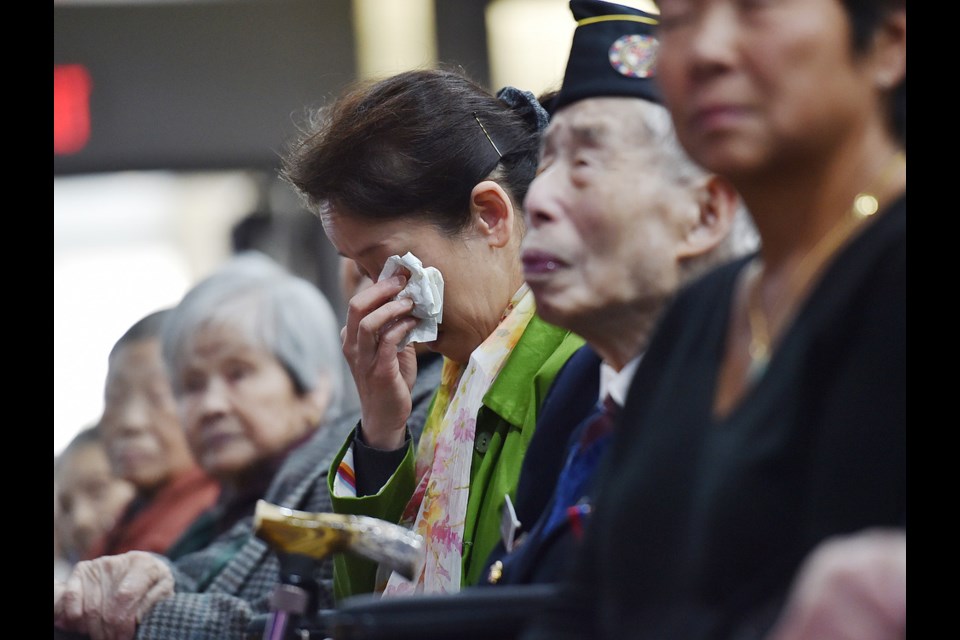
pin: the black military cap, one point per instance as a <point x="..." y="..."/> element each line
<point x="613" y="54"/>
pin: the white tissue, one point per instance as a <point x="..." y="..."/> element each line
<point x="425" y="288"/>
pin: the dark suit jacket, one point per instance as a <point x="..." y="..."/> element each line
<point x="570" y="402"/>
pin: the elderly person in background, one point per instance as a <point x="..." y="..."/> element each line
<point x="88" y="496"/>
<point x="249" y="393"/>
<point x="619" y="218"/>
<point x="254" y="358"/>
<point x="429" y="163"/>
<point x="147" y="446"/>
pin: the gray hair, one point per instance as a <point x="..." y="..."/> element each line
<point x="282" y="313"/>
<point x="676" y="164"/>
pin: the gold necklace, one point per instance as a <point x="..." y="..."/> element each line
<point x="865" y="204"/>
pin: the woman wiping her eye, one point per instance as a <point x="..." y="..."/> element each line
<point x="428" y="162"/>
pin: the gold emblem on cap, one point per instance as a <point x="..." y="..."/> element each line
<point x="634" y="56"/>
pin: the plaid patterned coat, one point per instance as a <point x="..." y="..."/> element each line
<point x="221" y="589"/>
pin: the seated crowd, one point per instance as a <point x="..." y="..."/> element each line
<point x="636" y="345"/>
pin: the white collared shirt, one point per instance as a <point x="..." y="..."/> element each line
<point x="617" y="383"/>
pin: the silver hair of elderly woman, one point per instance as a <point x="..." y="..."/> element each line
<point x="283" y="313"/>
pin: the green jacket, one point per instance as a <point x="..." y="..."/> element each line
<point x="505" y="425"/>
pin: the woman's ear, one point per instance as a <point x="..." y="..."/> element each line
<point x="718" y="202"/>
<point x="890" y="54"/>
<point x="316" y="401"/>
<point x="493" y="213"/>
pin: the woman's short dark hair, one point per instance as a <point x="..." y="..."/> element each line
<point x="412" y="145"/>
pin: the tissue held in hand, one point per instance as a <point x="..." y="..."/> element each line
<point x="425" y="288"/>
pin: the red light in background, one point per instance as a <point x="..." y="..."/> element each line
<point x="71" y="108"/>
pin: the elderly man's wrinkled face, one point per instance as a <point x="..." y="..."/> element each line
<point x="604" y="218"/>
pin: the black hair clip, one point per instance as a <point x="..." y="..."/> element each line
<point x="526" y="105"/>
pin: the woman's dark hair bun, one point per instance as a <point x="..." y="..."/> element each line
<point x="526" y="106"/>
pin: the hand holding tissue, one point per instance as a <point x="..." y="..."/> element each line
<point x="425" y="288"/>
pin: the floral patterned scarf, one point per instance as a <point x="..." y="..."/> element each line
<point x="438" y="508"/>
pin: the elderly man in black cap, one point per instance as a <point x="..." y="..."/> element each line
<point x="618" y="219"/>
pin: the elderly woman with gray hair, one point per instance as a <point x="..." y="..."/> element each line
<point x="254" y="359"/>
<point x="255" y="364"/>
